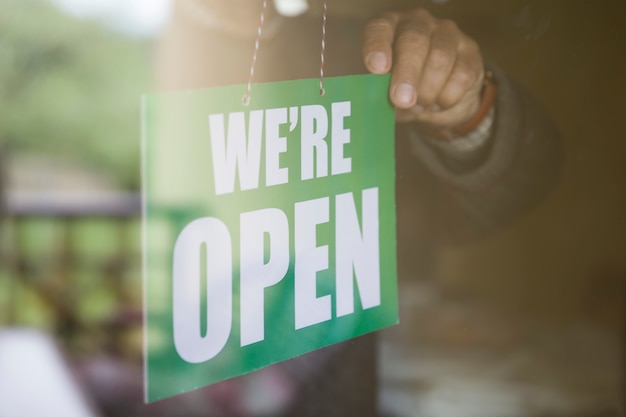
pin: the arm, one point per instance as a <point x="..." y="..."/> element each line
<point x="469" y="192"/>
<point x="437" y="84"/>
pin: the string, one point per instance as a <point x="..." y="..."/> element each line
<point x="323" y="52"/>
<point x="246" y="98"/>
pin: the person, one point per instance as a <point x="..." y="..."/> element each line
<point x="473" y="149"/>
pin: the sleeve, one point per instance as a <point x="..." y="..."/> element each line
<point x="487" y="188"/>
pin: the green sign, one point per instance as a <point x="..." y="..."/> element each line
<point x="269" y="229"/>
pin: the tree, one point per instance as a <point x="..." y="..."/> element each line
<point x="71" y="86"/>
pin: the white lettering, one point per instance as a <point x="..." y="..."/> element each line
<point x="256" y="274"/>
<point x="358" y="248"/>
<point x="340" y="136"/>
<point x="310" y="258"/>
<point x="211" y="236"/>
<point x="314" y="129"/>
<point x="236" y="153"/>
<point x="274" y="146"/>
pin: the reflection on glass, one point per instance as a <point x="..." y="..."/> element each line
<point x="510" y="246"/>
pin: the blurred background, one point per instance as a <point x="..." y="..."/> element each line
<point x="526" y="322"/>
<point x="71" y="78"/>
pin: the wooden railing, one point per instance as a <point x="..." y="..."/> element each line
<point x="50" y="278"/>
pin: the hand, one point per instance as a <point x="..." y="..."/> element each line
<point x="436" y="70"/>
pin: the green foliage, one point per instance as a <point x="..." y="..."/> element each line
<point x="71" y="86"/>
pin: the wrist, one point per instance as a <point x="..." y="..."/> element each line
<point x="479" y="121"/>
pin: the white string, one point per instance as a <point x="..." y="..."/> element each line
<point x="323" y="52"/>
<point x="246" y="98"/>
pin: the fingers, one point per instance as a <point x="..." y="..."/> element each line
<point x="411" y="49"/>
<point x="378" y="38"/>
<point x="434" y="66"/>
<point x="439" y="63"/>
<point x="466" y="76"/>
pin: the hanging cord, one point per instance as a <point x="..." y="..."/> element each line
<point x="246" y="98"/>
<point x="323" y="53"/>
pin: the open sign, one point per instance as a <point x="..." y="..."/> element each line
<point x="269" y="231"/>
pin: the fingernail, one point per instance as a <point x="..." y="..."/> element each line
<point x="404" y="94"/>
<point x="377" y="61"/>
